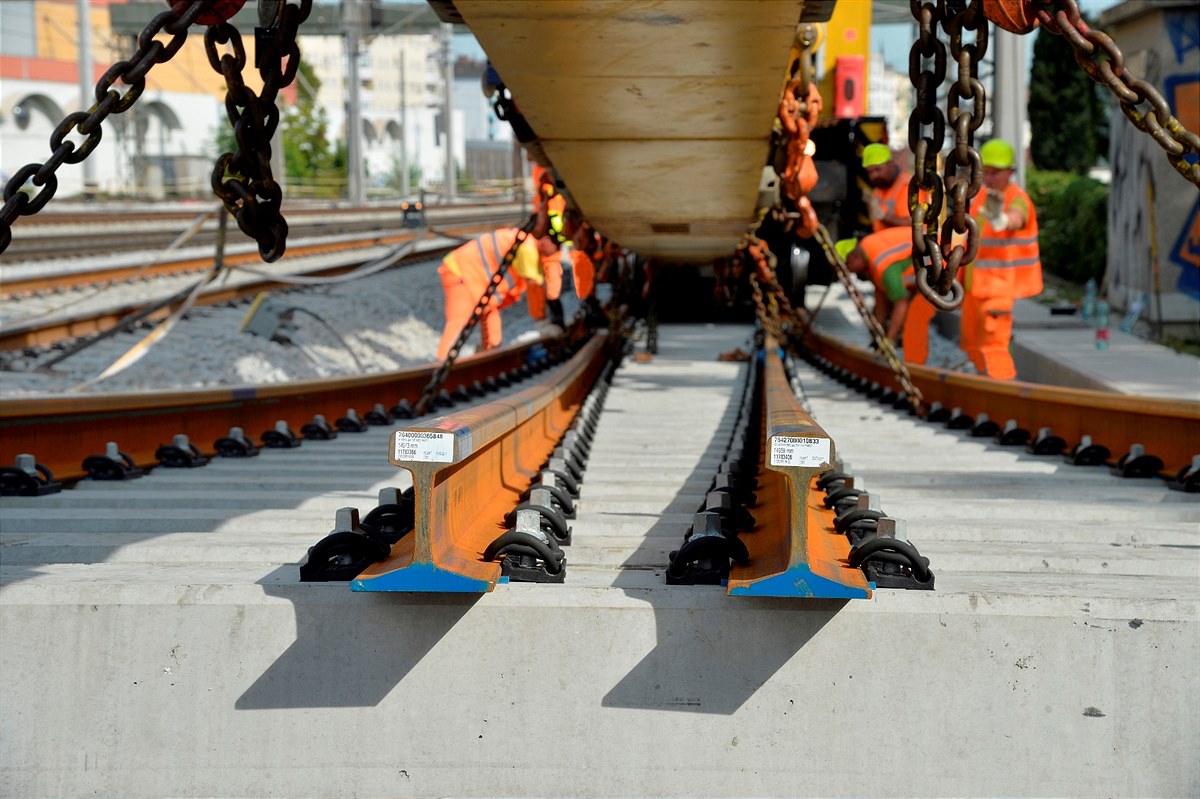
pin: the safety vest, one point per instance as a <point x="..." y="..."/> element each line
<point x="893" y="200"/>
<point x="476" y="261"/>
<point x="1009" y="263"/>
<point x="889" y="254"/>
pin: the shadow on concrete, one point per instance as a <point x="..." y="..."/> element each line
<point x="713" y="655"/>
<point x="352" y="650"/>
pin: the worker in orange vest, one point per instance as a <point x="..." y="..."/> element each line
<point x="1007" y="267"/>
<point x="888" y="199"/>
<point x="466" y="273"/>
<point x="582" y="264"/>
<point x="547" y="297"/>
<point x="885" y="258"/>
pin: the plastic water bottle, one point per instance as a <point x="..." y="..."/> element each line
<point x="1134" y="312"/>
<point x="1089" y="299"/>
<point x="1101" y="325"/>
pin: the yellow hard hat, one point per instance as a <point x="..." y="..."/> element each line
<point x="527" y="263"/>
<point x="844" y="247"/>
<point x="875" y="154"/>
<point x="997" y="154"/>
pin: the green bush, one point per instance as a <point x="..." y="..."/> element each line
<point x="1072" y="213"/>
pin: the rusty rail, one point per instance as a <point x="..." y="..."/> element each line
<point x="794" y="549"/>
<point x="1167" y="429"/>
<point x="61" y="431"/>
<point x="469" y="469"/>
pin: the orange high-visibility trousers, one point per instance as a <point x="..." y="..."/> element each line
<point x="916" y="329"/>
<point x="537" y="295"/>
<point x="460" y="302"/>
<point x="585" y="273"/>
<point x="987" y="324"/>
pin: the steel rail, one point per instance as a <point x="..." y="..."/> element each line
<point x="50" y="216"/>
<point x="469" y="469"/>
<point x="40" y="332"/>
<point x="1167" y="429"/>
<point x="794" y="549"/>
<point x="61" y="431"/>
<point x="125" y="233"/>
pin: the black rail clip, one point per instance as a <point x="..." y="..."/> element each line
<point x="27" y="478"/>
<point x="889" y="561"/>
<point x="318" y="430"/>
<point x="705" y="555"/>
<point x="1085" y="453"/>
<point x="112" y="465"/>
<point x="1137" y="464"/>
<point x="282" y="437"/>
<point x="235" y="445"/>
<point x="530" y="555"/>
<point x="180" y="454"/>
<point x="344" y="553"/>
<point x="1188" y="478"/>
<point x="351" y="422"/>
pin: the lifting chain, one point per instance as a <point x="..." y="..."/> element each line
<point x="1104" y="63"/>
<point x="443" y="371"/>
<point x="243" y="179"/>
<point x="938" y="259"/>
<point x="884" y="344"/>
<point x="132" y="72"/>
<point x="799" y="107"/>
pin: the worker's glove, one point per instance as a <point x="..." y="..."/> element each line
<point x="874" y="208"/>
<point x="993" y="211"/>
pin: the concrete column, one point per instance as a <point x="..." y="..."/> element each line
<point x="353" y="21"/>
<point x="405" y="188"/>
<point x="448" y="109"/>
<point x="1009" y="97"/>
<point x="87" y="86"/>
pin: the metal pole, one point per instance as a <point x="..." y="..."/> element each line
<point x="448" y="110"/>
<point x="354" y="188"/>
<point x="1009" y="95"/>
<point x="86" y="85"/>
<point x="405" y="188"/>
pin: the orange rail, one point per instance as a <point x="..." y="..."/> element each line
<point x="469" y="469"/>
<point x="61" y="431"/>
<point x="794" y="548"/>
<point x="1168" y="429"/>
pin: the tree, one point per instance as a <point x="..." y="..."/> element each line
<point x="1067" y="118"/>
<point x="305" y="129"/>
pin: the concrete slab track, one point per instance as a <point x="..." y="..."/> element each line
<point x="150" y="653"/>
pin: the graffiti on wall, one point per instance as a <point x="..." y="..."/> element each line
<point x="1139" y="172"/>
<point x="1182" y="91"/>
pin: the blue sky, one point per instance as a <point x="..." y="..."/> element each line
<point x="896" y="40"/>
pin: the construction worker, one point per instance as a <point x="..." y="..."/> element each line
<point x="582" y="265"/>
<point x="545" y="303"/>
<point x="466" y="273"/>
<point x="885" y="258"/>
<point x="1007" y="267"/>
<point x="888" y="199"/>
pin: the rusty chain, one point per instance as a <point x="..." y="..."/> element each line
<point x="1104" y="63"/>
<point x="243" y="179"/>
<point x="443" y="371"/>
<point x="939" y="256"/>
<point x="132" y="72"/>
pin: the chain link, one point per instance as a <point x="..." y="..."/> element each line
<point x="1104" y="63"/>
<point x="109" y="100"/>
<point x="243" y="179"/>
<point x="937" y="256"/>
<point x="443" y="371"/>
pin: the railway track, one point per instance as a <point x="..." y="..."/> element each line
<point x="1084" y="581"/>
<point x="59" y="235"/>
<point x="42" y="305"/>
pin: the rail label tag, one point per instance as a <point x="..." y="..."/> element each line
<point x="799" y="451"/>
<point x="424" y="447"/>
